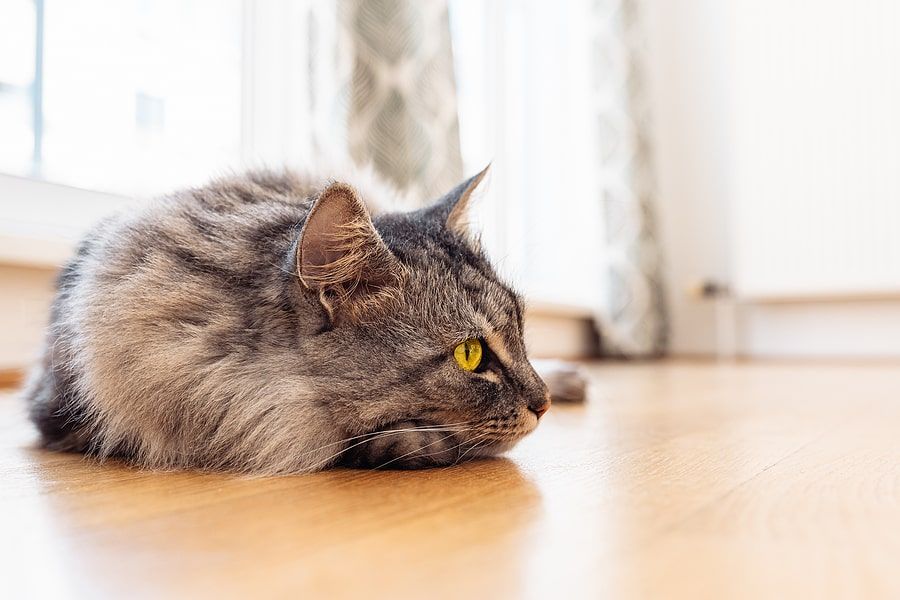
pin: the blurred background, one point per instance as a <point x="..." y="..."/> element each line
<point x="694" y="178"/>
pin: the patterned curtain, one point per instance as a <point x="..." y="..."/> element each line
<point x="632" y="319"/>
<point x="402" y="112"/>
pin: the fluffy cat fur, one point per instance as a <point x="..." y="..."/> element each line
<point x="279" y="323"/>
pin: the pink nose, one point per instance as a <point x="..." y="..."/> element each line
<point x="540" y="405"/>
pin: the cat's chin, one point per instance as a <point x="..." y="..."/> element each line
<point x="527" y="423"/>
<point x="496" y="448"/>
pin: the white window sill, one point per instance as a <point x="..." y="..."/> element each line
<point x="40" y="222"/>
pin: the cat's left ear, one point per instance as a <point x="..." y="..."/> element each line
<point x="341" y="256"/>
<point x="453" y="208"/>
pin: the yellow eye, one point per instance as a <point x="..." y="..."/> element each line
<point x="468" y="354"/>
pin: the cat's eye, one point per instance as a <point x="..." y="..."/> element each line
<point x="468" y="354"/>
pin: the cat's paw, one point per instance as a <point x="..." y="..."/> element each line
<point x="566" y="381"/>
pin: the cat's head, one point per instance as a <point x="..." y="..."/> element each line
<point x="423" y="343"/>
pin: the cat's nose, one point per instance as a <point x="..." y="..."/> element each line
<point x="539" y="404"/>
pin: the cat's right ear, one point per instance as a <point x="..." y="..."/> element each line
<point x="453" y="208"/>
<point x="341" y="257"/>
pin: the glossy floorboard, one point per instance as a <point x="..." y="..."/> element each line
<point x="676" y="480"/>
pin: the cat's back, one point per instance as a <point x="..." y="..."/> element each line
<point x="177" y="290"/>
<point x="183" y="261"/>
<point x="228" y="228"/>
<point x="227" y="224"/>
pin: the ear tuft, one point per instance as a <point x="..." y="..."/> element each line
<point x="341" y="256"/>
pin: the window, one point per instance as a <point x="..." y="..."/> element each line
<point x="133" y="97"/>
<point x="18" y="30"/>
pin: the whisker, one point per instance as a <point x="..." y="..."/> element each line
<point x="478" y="444"/>
<point x="374" y="436"/>
<point x="382" y="434"/>
<point x="404" y="430"/>
<point x="381" y="466"/>
<point x="450" y="449"/>
<point x="460" y="445"/>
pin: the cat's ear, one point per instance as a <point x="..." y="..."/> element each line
<point x="341" y="256"/>
<point x="453" y="208"/>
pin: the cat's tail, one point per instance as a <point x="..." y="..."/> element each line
<point x="566" y="381"/>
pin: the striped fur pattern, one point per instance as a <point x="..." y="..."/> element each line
<point x="277" y="323"/>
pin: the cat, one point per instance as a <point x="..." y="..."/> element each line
<point x="278" y="323"/>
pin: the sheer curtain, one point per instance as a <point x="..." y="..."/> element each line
<point x="553" y="94"/>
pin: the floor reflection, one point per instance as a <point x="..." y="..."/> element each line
<point x="195" y="527"/>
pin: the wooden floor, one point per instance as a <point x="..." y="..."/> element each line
<point x="677" y="480"/>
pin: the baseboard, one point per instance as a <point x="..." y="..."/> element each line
<point x="868" y="329"/>
<point x="11" y="378"/>
<point x="564" y="333"/>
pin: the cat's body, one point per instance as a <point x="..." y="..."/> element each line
<point x="266" y="324"/>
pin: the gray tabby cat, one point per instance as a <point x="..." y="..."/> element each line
<point x="268" y="324"/>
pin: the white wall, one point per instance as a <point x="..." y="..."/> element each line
<point x="687" y="78"/>
<point x="776" y="140"/>
<point x="816" y="147"/>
